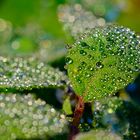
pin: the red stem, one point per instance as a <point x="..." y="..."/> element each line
<point x="79" y="109"/>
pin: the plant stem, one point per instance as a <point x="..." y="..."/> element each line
<point x="79" y="109"/>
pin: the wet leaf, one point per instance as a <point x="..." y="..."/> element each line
<point x="23" y="116"/>
<point x="105" y="60"/>
<point x="28" y="73"/>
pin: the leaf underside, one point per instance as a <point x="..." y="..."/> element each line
<point x="105" y="60"/>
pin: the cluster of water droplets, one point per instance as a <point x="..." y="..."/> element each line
<point x="21" y="73"/>
<point x="77" y="20"/>
<point x="103" y="61"/>
<point x="25" y="117"/>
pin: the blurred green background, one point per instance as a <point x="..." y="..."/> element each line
<point x="37" y="26"/>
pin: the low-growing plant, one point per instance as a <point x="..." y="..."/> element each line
<point x="103" y="61"/>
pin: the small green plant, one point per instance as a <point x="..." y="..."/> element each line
<point x="102" y="62"/>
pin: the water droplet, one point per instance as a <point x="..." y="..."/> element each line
<point x="82" y="52"/>
<point x="79" y="68"/>
<point x="84" y="44"/>
<point x="99" y="65"/>
<point x="78" y="80"/>
<point x="90" y="57"/>
<point x="72" y="52"/>
<point x="91" y="69"/>
<point x="93" y="48"/>
<point x="69" y="60"/>
<point x="83" y="63"/>
<point x="88" y="75"/>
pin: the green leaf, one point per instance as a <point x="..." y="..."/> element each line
<point x="98" y="135"/>
<point x="23" y="116"/>
<point x="67" y="106"/>
<point x="25" y="74"/>
<point x="105" y="60"/>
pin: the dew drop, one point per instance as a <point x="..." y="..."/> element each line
<point x="79" y="80"/>
<point x="84" y="44"/>
<point x="93" y="48"/>
<point x="91" y="69"/>
<point x="88" y="75"/>
<point x="90" y="57"/>
<point x="79" y="68"/>
<point x="83" y="63"/>
<point x="99" y="65"/>
<point x="72" y="52"/>
<point x="82" y="52"/>
<point x="69" y="60"/>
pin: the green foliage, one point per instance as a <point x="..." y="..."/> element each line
<point x="103" y="61"/>
<point x="104" y="113"/>
<point x="25" y="74"/>
<point x="128" y="116"/>
<point x="98" y="135"/>
<point x="120" y="116"/>
<point x="23" y="116"/>
<point x="67" y="106"/>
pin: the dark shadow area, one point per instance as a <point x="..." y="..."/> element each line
<point x="56" y="137"/>
<point x="60" y="63"/>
